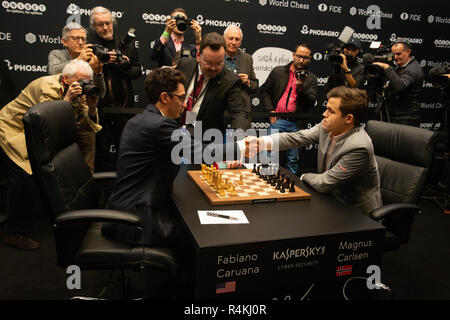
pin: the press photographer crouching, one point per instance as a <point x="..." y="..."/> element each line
<point x="347" y="70"/>
<point x="401" y="102"/>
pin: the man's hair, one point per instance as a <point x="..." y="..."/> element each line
<point x="353" y="101"/>
<point x="304" y="45"/>
<point x="161" y="80"/>
<point x="100" y="10"/>
<point x="233" y="26"/>
<point x="77" y="65"/>
<point x="69" y="27"/>
<point x="212" y="40"/>
<point x="178" y="10"/>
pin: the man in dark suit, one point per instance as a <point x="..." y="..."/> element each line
<point x="213" y="93"/>
<point x="170" y="46"/>
<point x="241" y="64"/>
<point x="147" y="164"/>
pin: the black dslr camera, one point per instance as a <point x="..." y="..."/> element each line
<point x="89" y="88"/>
<point x="182" y="22"/>
<point x="101" y="53"/>
<point x="301" y="75"/>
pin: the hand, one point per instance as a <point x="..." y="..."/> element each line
<point x="251" y="146"/>
<point x="273" y="119"/>
<point x="299" y="83"/>
<point x="86" y="53"/>
<point x="381" y="64"/>
<point x="195" y="26"/>
<point x="73" y="92"/>
<point x="112" y="56"/>
<point x="244" y="79"/>
<point x="170" y="25"/>
<point x="344" y="63"/>
<point x="92" y="104"/>
<point x="96" y="64"/>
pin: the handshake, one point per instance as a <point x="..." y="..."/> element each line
<point x="254" y="145"/>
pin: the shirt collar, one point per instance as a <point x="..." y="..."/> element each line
<point x="177" y="40"/>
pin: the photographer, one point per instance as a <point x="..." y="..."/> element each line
<point x="122" y="67"/>
<point x="65" y="86"/>
<point x="347" y="70"/>
<point x="405" y="85"/>
<point x="74" y="41"/>
<point x="290" y="89"/>
<point x="169" y="47"/>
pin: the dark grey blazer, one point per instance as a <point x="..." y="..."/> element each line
<point x="353" y="175"/>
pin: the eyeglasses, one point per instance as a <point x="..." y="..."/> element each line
<point x="100" y="24"/>
<point x="299" y="56"/>
<point x="179" y="96"/>
<point x="76" y="39"/>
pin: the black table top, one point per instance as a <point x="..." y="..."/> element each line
<point x="318" y="216"/>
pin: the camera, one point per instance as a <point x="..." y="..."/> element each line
<point x="182" y="22"/>
<point x="437" y="77"/>
<point x="382" y="54"/>
<point x="123" y="47"/>
<point x="101" y="53"/>
<point x="301" y="75"/>
<point x="88" y="87"/>
<point x="334" y="50"/>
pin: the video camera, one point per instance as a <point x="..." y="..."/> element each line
<point x="334" y="50"/>
<point x="88" y="87"/>
<point x="382" y="54"/>
<point x="437" y="77"/>
<point x="182" y="22"/>
<point x="301" y="75"/>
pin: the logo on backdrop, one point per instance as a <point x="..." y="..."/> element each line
<point x="5" y="36"/>
<point x="440" y="43"/>
<point x="366" y="37"/>
<point x="267" y="58"/>
<point x="25" y="67"/>
<point x="317" y="32"/>
<point x="370" y="11"/>
<point x="154" y="18"/>
<point x="436" y="19"/>
<point x="271" y="29"/>
<point x="285" y="4"/>
<point x="329" y="8"/>
<point x="410" y="17"/>
<point x="394" y="37"/>
<point x="76" y="12"/>
<point x="216" y="23"/>
<point x="43" y="38"/>
<point x="24" y="8"/>
<point x="424" y="63"/>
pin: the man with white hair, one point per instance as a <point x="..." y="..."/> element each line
<point x="241" y="63"/>
<point x="122" y="67"/>
<point x="13" y="149"/>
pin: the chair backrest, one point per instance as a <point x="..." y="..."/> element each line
<point x="403" y="155"/>
<point x="59" y="167"/>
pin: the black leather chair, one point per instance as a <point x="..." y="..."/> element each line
<point x="404" y="155"/>
<point x="70" y="193"/>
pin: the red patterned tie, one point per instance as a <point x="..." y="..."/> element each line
<point x="194" y="96"/>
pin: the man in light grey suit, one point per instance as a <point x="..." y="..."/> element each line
<point x="346" y="161"/>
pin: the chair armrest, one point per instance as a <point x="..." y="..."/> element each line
<point x="97" y="215"/>
<point x="407" y="208"/>
<point x="104" y="175"/>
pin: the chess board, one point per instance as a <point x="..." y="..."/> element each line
<point x="253" y="189"/>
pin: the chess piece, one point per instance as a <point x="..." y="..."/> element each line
<point x="292" y="188"/>
<point x="241" y="182"/>
<point x="254" y="168"/>
<point x="233" y="191"/>
<point x="282" y="189"/>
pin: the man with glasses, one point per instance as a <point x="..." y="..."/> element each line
<point x="213" y="93"/>
<point x="290" y="89"/>
<point x="74" y="41"/>
<point x="118" y="72"/>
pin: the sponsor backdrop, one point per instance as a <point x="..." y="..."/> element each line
<point x="272" y="28"/>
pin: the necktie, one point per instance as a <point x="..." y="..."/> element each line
<point x="196" y="92"/>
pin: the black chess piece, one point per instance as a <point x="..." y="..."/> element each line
<point x="278" y="187"/>
<point x="282" y="189"/>
<point x="292" y="188"/>
<point x="254" y="168"/>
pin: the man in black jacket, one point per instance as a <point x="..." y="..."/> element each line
<point x="213" y="93"/>
<point x="290" y="89"/>
<point x="118" y="73"/>
<point x="405" y="85"/>
<point x="170" y="46"/>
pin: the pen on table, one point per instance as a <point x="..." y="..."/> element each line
<point x="217" y="215"/>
